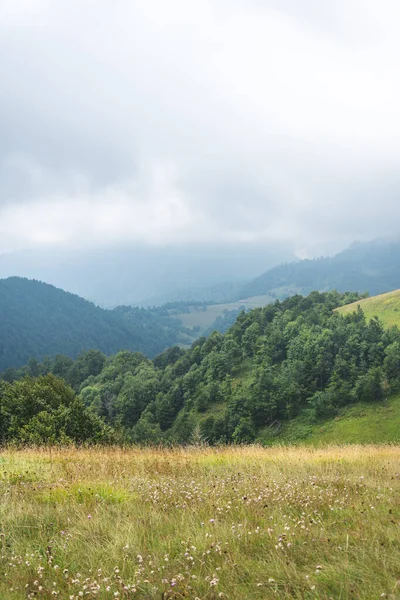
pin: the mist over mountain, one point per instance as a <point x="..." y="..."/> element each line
<point x="187" y="193"/>
<point x="186" y="145"/>
<point x="140" y="274"/>
<point x="372" y="267"/>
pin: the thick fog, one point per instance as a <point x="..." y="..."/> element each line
<point x="196" y="121"/>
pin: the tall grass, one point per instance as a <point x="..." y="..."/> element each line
<point x="204" y="523"/>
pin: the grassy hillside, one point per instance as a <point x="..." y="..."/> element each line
<point x="358" y="424"/>
<point x="385" y="306"/>
<point x="233" y="523"/>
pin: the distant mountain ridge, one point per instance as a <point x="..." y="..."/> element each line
<point x="147" y="276"/>
<point x="38" y="319"/>
<point x="144" y="275"/>
<point x="372" y="267"/>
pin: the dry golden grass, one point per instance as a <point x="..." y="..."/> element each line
<point x="230" y="523"/>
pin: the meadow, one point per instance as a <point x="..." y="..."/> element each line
<point x="359" y="423"/>
<point x="385" y="306"/>
<point x="200" y="523"/>
<point x="204" y="316"/>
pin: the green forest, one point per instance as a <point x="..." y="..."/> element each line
<point x="290" y="357"/>
<point x="38" y="320"/>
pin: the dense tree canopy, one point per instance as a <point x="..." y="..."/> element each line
<point x="37" y="319"/>
<point x="46" y="410"/>
<point x="272" y="364"/>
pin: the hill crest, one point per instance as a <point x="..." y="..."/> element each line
<point x="384" y="306"/>
<point x="38" y="319"/>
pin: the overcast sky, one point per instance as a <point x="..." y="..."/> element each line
<point x="186" y="120"/>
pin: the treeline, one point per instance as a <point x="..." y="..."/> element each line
<point x="272" y="364"/>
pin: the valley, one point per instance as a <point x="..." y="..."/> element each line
<point x="289" y="371"/>
<point x="203" y="319"/>
<point x="199" y="300"/>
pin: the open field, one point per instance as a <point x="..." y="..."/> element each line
<point x="234" y="523"/>
<point x="204" y="316"/>
<point x="384" y="306"/>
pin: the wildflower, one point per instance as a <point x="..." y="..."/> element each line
<point x="89" y="516"/>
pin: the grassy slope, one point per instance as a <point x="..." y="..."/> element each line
<point x="360" y="423"/>
<point x="235" y="523"/>
<point x="357" y="424"/>
<point x="384" y="306"/>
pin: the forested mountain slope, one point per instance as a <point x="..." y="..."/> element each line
<point x="372" y="267"/>
<point x="37" y="319"/>
<point x="291" y="358"/>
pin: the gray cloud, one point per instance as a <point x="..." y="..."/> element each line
<point x="170" y="122"/>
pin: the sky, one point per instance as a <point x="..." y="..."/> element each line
<point x="191" y="121"/>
